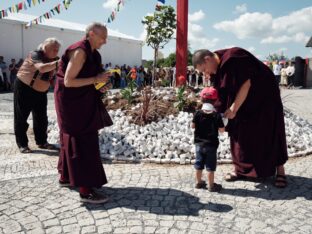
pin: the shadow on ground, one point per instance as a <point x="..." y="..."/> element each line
<point x="158" y="201"/>
<point x="297" y="187"/>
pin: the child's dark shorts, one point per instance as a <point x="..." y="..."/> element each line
<point x="206" y="156"/>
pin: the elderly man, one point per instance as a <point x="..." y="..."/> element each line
<point x="30" y="94"/>
<point x="81" y="114"/>
<point x="250" y="98"/>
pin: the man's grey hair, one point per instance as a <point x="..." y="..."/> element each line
<point x="49" y="41"/>
<point x="199" y="56"/>
<point x="93" y="26"/>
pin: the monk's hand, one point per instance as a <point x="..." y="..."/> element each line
<point x="230" y="113"/>
<point x="103" y="77"/>
<point x="106" y="87"/>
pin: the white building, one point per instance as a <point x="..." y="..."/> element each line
<point x="17" y="41"/>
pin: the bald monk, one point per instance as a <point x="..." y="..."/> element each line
<point x="81" y="114"/>
<point x="250" y="98"/>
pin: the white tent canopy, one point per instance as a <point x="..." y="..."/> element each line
<point x="17" y="41"/>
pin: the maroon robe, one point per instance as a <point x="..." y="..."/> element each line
<point x="257" y="133"/>
<point x="80" y="114"/>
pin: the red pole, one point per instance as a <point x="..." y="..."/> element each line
<point x="181" y="48"/>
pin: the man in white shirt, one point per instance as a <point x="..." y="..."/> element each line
<point x="290" y="72"/>
<point x="277" y="71"/>
<point x="174" y="74"/>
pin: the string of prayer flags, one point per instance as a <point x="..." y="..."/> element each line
<point x="112" y="16"/>
<point x="49" y="14"/>
<point x="18" y="7"/>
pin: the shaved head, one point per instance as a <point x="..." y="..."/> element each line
<point x="199" y="57"/>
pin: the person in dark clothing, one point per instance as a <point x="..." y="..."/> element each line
<point x="30" y="94"/>
<point x="81" y="113"/>
<point x="4" y="82"/>
<point x="207" y="123"/>
<point x="13" y="72"/>
<point x="250" y="98"/>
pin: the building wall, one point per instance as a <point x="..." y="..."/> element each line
<point x="10" y="39"/>
<point x="16" y="42"/>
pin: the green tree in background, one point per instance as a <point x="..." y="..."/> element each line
<point x="160" y="29"/>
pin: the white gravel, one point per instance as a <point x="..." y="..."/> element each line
<point x="171" y="139"/>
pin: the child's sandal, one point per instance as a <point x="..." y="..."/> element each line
<point x="215" y="188"/>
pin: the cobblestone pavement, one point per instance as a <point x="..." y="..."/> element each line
<point x="145" y="198"/>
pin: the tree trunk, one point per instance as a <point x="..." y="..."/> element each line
<point x="154" y="65"/>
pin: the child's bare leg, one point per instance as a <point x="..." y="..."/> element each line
<point x="199" y="174"/>
<point x="210" y="178"/>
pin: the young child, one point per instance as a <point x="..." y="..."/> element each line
<point x="207" y="123"/>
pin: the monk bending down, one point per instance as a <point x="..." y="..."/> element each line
<point x="81" y="114"/>
<point x="250" y="97"/>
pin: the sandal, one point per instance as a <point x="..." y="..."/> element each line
<point x="64" y="183"/>
<point x="48" y="146"/>
<point x="201" y="185"/>
<point x="215" y="188"/>
<point x="231" y="177"/>
<point x="25" y="150"/>
<point x="280" y="181"/>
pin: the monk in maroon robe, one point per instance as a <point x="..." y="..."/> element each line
<point x="250" y="98"/>
<point x="81" y="114"/>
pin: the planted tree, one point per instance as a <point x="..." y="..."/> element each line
<point x="160" y="29"/>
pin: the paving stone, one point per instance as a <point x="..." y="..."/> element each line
<point x="148" y="198"/>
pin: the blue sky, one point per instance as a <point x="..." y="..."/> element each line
<point x="262" y="27"/>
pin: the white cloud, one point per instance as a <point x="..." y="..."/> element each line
<point x="297" y="21"/>
<point x="143" y="35"/>
<point x="248" y="25"/>
<point x="195" y="28"/>
<point x="197" y="38"/>
<point x="196" y="16"/>
<point x="293" y="27"/>
<point x="298" y="37"/>
<point x="110" y="4"/>
<point x="241" y="8"/>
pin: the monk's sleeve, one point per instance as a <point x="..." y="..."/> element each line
<point x="243" y="69"/>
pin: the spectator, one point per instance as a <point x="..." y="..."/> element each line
<point x="13" y="72"/>
<point x="3" y="66"/>
<point x="174" y="75"/>
<point x="1" y="76"/>
<point x="290" y="72"/>
<point x="19" y="64"/>
<point x="284" y="76"/>
<point x="277" y="71"/>
<point x="30" y="94"/>
<point x="123" y="82"/>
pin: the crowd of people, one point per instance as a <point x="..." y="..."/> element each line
<point x="284" y="73"/>
<point x="144" y="76"/>
<point x="8" y="73"/>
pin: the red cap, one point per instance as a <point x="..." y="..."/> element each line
<point x="209" y="93"/>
